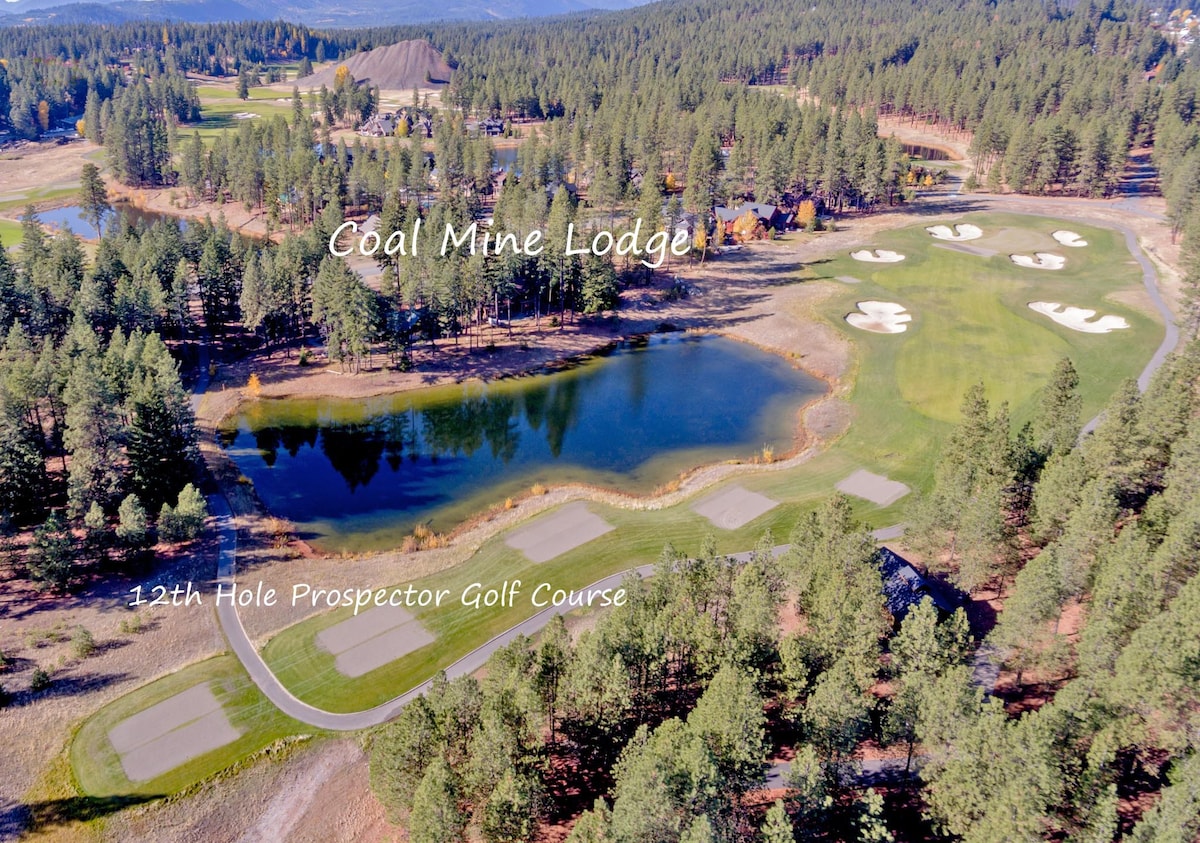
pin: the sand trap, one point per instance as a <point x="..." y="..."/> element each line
<point x="880" y="317"/>
<point x="733" y="507"/>
<point x="873" y="487"/>
<point x="966" y="231"/>
<point x="554" y="534"/>
<point x="371" y="640"/>
<point x="1069" y="238"/>
<point x="1040" y="260"/>
<point x="1076" y="318"/>
<point x="877" y="256"/>
<point x="171" y="733"/>
<point x="245" y="115"/>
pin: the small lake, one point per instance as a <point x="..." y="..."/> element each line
<point x="361" y="474"/>
<point x="71" y="217"/>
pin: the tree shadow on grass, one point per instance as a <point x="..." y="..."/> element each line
<point x="18" y="818"/>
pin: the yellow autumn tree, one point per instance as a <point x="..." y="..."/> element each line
<point x="670" y="183"/>
<point x="44" y="115"/>
<point x="254" y="386"/>
<point x="340" y="77"/>
<point x="748" y="227"/>
<point x="806" y="214"/>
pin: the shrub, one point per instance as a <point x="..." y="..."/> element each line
<point x="40" y="680"/>
<point x="185" y="521"/>
<point x="5" y="697"/>
<point x="131" y="525"/>
<point x="82" y="642"/>
<point x="132" y="625"/>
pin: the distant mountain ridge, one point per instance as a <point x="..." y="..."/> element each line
<point x="311" y="12"/>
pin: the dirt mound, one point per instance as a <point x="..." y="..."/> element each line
<point x="396" y="67"/>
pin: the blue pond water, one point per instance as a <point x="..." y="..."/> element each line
<point x="358" y="474"/>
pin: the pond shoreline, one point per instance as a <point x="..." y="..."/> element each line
<point x="692" y="478"/>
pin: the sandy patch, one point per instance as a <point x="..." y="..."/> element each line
<point x="733" y="507"/>
<point x="1077" y="318"/>
<point x="371" y="640"/>
<point x="877" y="256"/>
<point x="1069" y="238"/>
<point x="966" y="231"/>
<point x="873" y="487"/>
<point x="171" y="733"/>
<point x="880" y="317"/>
<point x="1040" y="260"/>
<point x="849" y="279"/>
<point x="245" y="115"/>
<point x="554" y="534"/>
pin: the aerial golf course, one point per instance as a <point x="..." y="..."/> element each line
<point x="927" y="316"/>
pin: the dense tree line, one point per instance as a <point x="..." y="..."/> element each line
<point x="98" y="430"/>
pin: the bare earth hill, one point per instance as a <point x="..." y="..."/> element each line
<point x="396" y="67"/>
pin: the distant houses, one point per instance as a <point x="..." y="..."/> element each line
<point x="384" y="125"/>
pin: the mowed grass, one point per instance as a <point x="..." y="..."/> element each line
<point x="97" y="766"/>
<point x="970" y="324"/>
<point x="218" y="117"/>
<point x="10" y="233"/>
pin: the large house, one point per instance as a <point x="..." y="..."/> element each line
<point x="904" y="587"/>
<point x="771" y="217"/>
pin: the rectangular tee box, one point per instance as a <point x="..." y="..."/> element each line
<point x="554" y="534"/>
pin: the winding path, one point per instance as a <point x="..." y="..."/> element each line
<point x="274" y="690"/>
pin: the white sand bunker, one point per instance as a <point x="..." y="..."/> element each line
<point x="1077" y="318"/>
<point x="966" y="231"/>
<point x="877" y="256"/>
<point x="1040" y="260"/>
<point x="1069" y="238"/>
<point x="880" y="317"/>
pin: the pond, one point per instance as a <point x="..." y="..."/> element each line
<point x="926" y="153"/>
<point x="361" y="474"/>
<point x="71" y="217"/>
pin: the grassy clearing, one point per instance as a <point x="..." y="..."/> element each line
<point x="217" y="117"/>
<point x="97" y="766"/>
<point x="970" y="323"/>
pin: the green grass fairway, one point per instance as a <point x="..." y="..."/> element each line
<point x="970" y="323"/>
<point x="217" y="117"/>
<point x="10" y="233"/>
<point x="98" y="767"/>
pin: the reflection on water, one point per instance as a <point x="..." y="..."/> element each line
<point x="926" y="153"/>
<point x="362" y="472"/>
<point x="71" y="217"/>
